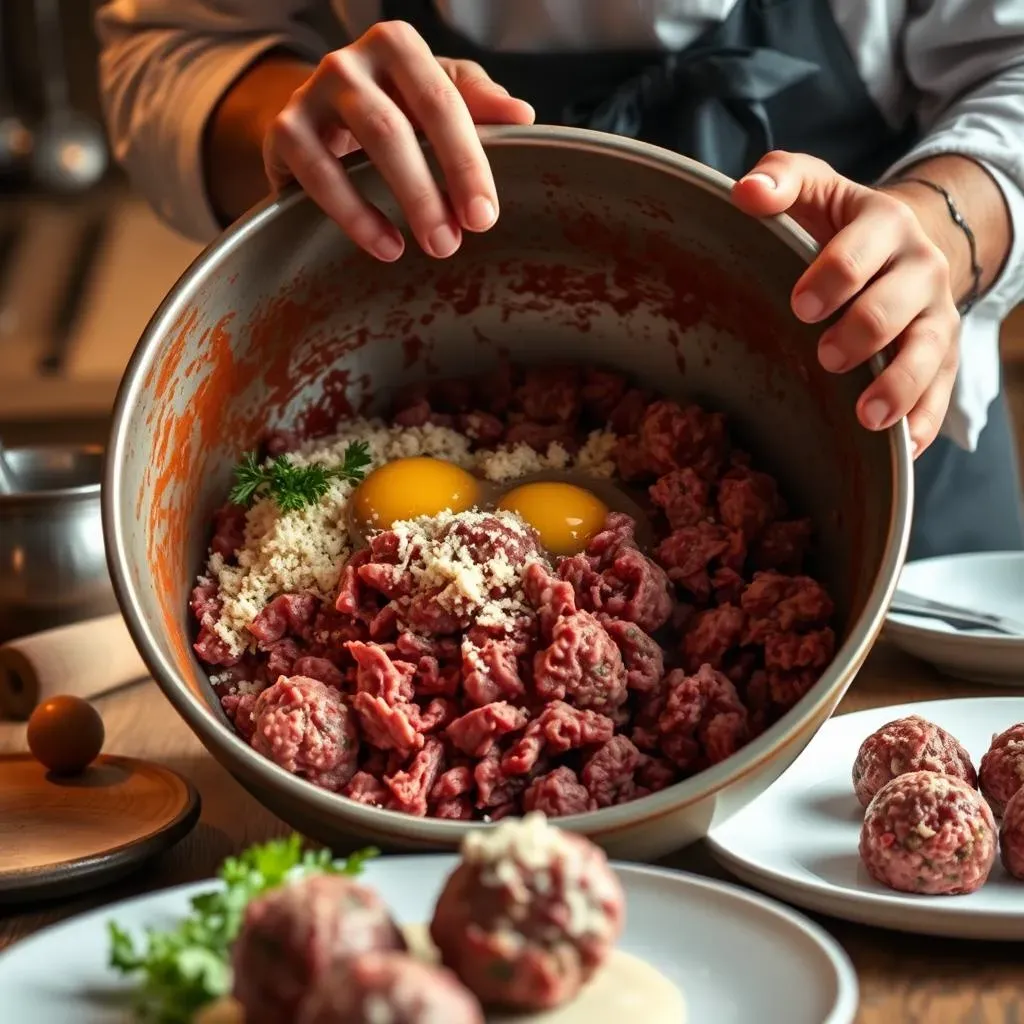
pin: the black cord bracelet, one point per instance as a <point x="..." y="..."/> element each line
<point x="957" y="217"/>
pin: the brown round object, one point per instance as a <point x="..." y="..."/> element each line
<point x="529" y="915"/>
<point x="1011" y="836"/>
<point x="1001" y="772"/>
<point x="911" y="744"/>
<point x="929" y="833"/>
<point x="65" y="734"/>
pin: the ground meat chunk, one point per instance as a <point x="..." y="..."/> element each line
<point x="614" y="578"/>
<point x="557" y="794"/>
<point x="293" y="935"/>
<point x="641" y="654"/>
<point x="911" y="744"/>
<point x="783" y="546"/>
<point x="228" y="531"/>
<point x="287" y="614"/>
<point x="388" y="726"/>
<point x="703" y="720"/>
<point x="777" y="604"/>
<point x="1011" y="836"/>
<point x="388" y="987"/>
<point x="608" y="774"/>
<point x="558" y="729"/>
<point x="529" y="915"/>
<point x="1002" y="768"/>
<point x="411" y="787"/>
<point x="305" y="726"/>
<point x="928" y="833"/>
<point x="581" y="665"/>
<point x="748" y="501"/>
<point x="788" y="651"/>
<point x="478" y="730"/>
<point x="691" y="555"/>
<point x="379" y="676"/>
<point x="367" y="789"/>
<point x="671" y="437"/>
<point x="490" y="671"/>
<point x="550" y="394"/>
<point x="684" y="497"/>
<point x="711" y="636"/>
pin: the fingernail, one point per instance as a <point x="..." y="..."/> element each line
<point x="480" y="213"/>
<point x="443" y="241"/>
<point x="762" y="179"/>
<point x="808" y="307"/>
<point x="831" y="356"/>
<point x="876" y="412"/>
<point x="500" y="89"/>
<point x="388" y="248"/>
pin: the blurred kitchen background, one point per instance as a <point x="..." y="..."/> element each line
<point x="82" y="267"/>
<point x="83" y="263"/>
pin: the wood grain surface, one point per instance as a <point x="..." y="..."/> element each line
<point x="904" y="979"/>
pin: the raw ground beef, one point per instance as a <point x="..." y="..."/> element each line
<point x="1001" y="771"/>
<point x="911" y="744"/>
<point x="928" y="833"/>
<point x="1011" y="835"/>
<point x="617" y="672"/>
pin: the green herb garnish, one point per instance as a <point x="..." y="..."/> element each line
<point x="183" y="969"/>
<point x="293" y="487"/>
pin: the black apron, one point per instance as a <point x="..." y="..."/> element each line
<point x="775" y="74"/>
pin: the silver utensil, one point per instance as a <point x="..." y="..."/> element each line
<point x="954" y="615"/>
<point x="8" y="481"/>
<point x="71" y="152"/>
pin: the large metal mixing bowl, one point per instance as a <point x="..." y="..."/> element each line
<point x="607" y="250"/>
<point x="52" y="566"/>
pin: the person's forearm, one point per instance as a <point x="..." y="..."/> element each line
<point x="233" y="148"/>
<point x="981" y="204"/>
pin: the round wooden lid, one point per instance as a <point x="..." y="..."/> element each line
<point x="63" y="835"/>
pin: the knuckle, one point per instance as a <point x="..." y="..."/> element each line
<point x="845" y="266"/>
<point x="872" y="318"/>
<point x="340" y="65"/>
<point x="905" y="383"/>
<point x="392" y="36"/>
<point x="899" y="212"/>
<point x="383" y="125"/>
<point x="285" y="126"/>
<point x="439" y="99"/>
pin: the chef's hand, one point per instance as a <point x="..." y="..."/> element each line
<point x="374" y="95"/>
<point x="878" y="262"/>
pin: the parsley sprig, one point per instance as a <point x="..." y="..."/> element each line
<point x="293" y="487"/>
<point x="181" y="970"/>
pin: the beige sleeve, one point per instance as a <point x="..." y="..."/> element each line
<point x="164" y="65"/>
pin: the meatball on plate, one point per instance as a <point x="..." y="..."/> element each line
<point x="905" y="817"/>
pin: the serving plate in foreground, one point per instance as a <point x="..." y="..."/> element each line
<point x="798" y="841"/>
<point x="703" y="935"/>
<point x="992" y="582"/>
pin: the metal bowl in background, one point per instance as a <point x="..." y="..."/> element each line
<point x="53" y="569"/>
<point x="607" y="250"/>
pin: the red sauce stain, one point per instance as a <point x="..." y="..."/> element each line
<point x="653" y="209"/>
<point x="552" y="179"/>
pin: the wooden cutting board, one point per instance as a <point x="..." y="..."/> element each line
<point x="61" y="836"/>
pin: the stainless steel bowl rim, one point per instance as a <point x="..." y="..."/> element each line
<point x="847" y="659"/>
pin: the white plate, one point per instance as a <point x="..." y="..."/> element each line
<point x="798" y="840"/>
<point x="990" y="582"/>
<point x="738" y="958"/>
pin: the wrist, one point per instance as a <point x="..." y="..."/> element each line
<point x="233" y="145"/>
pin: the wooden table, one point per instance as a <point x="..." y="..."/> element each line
<point x="904" y="979"/>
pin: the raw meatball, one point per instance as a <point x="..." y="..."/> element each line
<point x="388" y="987"/>
<point x="929" y="833"/>
<point x="1011" y="835"/>
<point x="1002" y="768"/>
<point x="911" y="744"/>
<point x="294" y="934"/>
<point x="529" y="915"/>
<point x="305" y="726"/>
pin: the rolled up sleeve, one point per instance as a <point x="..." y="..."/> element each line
<point x="164" y="67"/>
<point x="966" y="59"/>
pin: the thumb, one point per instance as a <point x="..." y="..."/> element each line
<point x="816" y="196"/>
<point x="487" y="102"/>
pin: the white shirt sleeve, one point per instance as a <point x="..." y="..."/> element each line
<point x="966" y="59"/>
<point x="164" y="66"/>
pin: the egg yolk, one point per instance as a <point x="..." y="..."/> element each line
<point x="566" y="517"/>
<point x="409" y="488"/>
